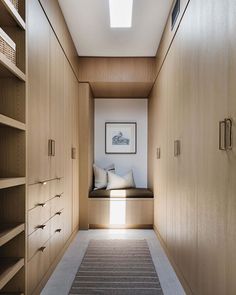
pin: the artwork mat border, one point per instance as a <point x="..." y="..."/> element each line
<point x="135" y="138"/>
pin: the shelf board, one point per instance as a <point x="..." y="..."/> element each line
<point x="10" y="231"/>
<point x="8" y="69"/>
<point x="10" y="182"/>
<point x="9" y="267"/>
<point x="9" y="16"/>
<point x="4" y="120"/>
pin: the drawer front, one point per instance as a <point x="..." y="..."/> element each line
<point x="57" y="204"/>
<point x="56" y="243"/>
<point x="38" y="238"/>
<point x="38" y="266"/>
<point x="38" y="216"/>
<point x="57" y="222"/>
<point x="56" y="187"/>
<point x="38" y="193"/>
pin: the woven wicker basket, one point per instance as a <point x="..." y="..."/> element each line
<point x="15" y="3"/>
<point x="7" y="46"/>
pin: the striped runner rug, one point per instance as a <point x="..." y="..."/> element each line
<point x="117" y="267"/>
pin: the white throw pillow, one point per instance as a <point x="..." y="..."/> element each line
<point x="120" y="182"/>
<point x="100" y="176"/>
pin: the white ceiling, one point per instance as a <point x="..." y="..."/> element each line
<point x="89" y="25"/>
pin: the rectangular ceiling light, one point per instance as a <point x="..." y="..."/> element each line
<point x="121" y="13"/>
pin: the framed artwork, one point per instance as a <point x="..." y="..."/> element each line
<point x="120" y="137"/>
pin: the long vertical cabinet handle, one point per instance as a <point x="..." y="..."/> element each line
<point x="225" y="135"/>
<point x="228" y="134"/>
<point x="222" y="135"/>
<point x="51" y="147"/>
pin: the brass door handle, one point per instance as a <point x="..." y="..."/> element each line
<point x="225" y="134"/>
<point x="51" y="148"/>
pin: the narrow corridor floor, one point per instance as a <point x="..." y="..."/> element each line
<point x="61" y="280"/>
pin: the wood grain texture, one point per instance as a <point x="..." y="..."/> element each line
<point x="39" y="93"/>
<point x="58" y="24"/>
<point x="194" y="90"/>
<point x="118" y="77"/>
<point x="86" y="109"/>
<point x="134" y="212"/>
<point x="231" y="201"/>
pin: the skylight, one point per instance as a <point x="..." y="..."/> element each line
<point x="121" y="13"/>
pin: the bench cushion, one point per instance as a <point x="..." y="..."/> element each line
<point x="125" y="193"/>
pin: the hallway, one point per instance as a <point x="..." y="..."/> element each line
<point x="64" y="274"/>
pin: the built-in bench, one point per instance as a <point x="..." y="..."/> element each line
<point x="125" y="208"/>
<point x="125" y="193"/>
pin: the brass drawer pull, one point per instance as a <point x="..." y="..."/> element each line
<point x="42" y="226"/>
<point x="42" y="204"/>
<point x="42" y="249"/>
<point x="59" y="195"/>
<point x="43" y="182"/>
<point x="58" y="230"/>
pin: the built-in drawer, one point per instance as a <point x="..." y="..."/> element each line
<point x="57" y="203"/>
<point x="57" y="222"/>
<point x="56" y="187"/>
<point x="38" y="266"/>
<point x="57" y="241"/>
<point x="38" y="216"/>
<point x="38" y="238"/>
<point x="38" y="193"/>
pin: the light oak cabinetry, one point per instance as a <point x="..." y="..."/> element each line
<point x="52" y="207"/>
<point x="13" y="126"/>
<point x="194" y="91"/>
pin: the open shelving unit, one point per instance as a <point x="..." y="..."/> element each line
<point x="13" y="100"/>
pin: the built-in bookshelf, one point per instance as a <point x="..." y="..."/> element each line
<point x="13" y="151"/>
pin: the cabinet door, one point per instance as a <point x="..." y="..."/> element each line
<point x="68" y="113"/>
<point x="56" y="106"/>
<point x="75" y="161"/>
<point x="231" y="205"/>
<point x="38" y="103"/>
<point x="212" y="163"/>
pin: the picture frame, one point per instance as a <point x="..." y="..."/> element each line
<point x="120" y="137"/>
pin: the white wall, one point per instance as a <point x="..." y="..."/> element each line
<point x="118" y="110"/>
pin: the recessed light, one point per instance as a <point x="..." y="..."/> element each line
<point x="121" y="13"/>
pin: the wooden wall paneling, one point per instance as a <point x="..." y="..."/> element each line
<point x="200" y="230"/>
<point x="121" y="89"/>
<point x="56" y="106"/>
<point x="231" y="204"/>
<point x="38" y="115"/>
<point x="118" y="77"/>
<point x="169" y="34"/>
<point x="86" y="110"/>
<point x="57" y="21"/>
